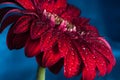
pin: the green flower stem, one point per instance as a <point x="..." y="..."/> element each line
<point x="41" y="73"/>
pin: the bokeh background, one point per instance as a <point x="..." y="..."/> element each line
<point x="104" y="14"/>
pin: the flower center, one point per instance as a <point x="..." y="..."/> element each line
<point x="63" y="24"/>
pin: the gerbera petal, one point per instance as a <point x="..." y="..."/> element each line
<point x="88" y="32"/>
<point x="27" y="4"/>
<point x="20" y="40"/>
<point x="101" y="63"/>
<point x="16" y="41"/>
<point x="32" y="47"/>
<point x="91" y="31"/>
<point x="50" y="58"/>
<point x="46" y="6"/>
<point x="63" y="44"/>
<point x="36" y="3"/>
<point x="91" y="28"/>
<point x="87" y="74"/>
<point x="57" y="67"/>
<point x="80" y="22"/>
<point x="101" y="45"/>
<point x="72" y="9"/>
<point x="10" y="37"/>
<point x="83" y="21"/>
<point x="37" y="29"/>
<point x="3" y="11"/>
<point x="48" y="39"/>
<point x="10" y="4"/>
<point x="69" y="12"/>
<point x="89" y="69"/>
<point x="105" y="42"/>
<point x="2" y="1"/>
<point x="22" y="24"/>
<point x="6" y="20"/>
<point x="72" y="60"/>
<point x="60" y="6"/>
<point x="71" y="64"/>
<point x="39" y="58"/>
<point x="61" y="3"/>
<point x="12" y="12"/>
<point x="112" y="61"/>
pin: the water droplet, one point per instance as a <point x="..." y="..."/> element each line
<point x="84" y="48"/>
<point x="86" y="53"/>
<point x="94" y="57"/>
<point x="73" y="54"/>
<point x="82" y="33"/>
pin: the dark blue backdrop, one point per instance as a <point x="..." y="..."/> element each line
<point x="104" y="14"/>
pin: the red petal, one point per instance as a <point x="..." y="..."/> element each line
<point x="22" y="24"/>
<point x="48" y="39"/>
<point x="20" y="40"/>
<point x="7" y="1"/>
<point x="69" y="12"/>
<point x="63" y="44"/>
<point x="71" y="9"/>
<point x="89" y="70"/>
<point x="3" y="11"/>
<point x="80" y="22"/>
<point x="104" y="49"/>
<point x="32" y="47"/>
<point x="91" y="31"/>
<point x="57" y="67"/>
<point x="72" y="60"/>
<point x="60" y="6"/>
<point x="48" y="7"/>
<point x="83" y="21"/>
<point x="36" y="3"/>
<point x="2" y="1"/>
<point x="16" y="41"/>
<point x="27" y="4"/>
<point x="71" y="64"/>
<point x="56" y="7"/>
<point x="37" y="29"/>
<point x="60" y="3"/>
<point x="91" y="28"/>
<point x="39" y="58"/>
<point x="8" y="20"/>
<point x="10" y="37"/>
<point x="50" y="58"/>
<point x="100" y="62"/>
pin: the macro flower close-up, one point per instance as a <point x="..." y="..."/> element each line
<point x="54" y="32"/>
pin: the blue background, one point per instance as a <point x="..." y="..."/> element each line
<point x="104" y="14"/>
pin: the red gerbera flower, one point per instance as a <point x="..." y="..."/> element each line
<point x="52" y="31"/>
